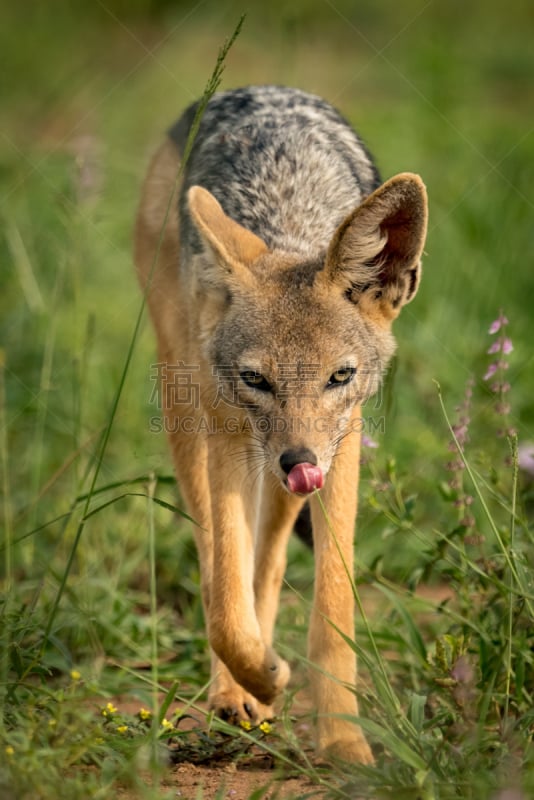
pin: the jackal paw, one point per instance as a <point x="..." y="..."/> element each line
<point x="275" y="677"/>
<point x="236" y="705"/>
<point x="262" y="677"/>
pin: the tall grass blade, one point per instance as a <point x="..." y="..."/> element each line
<point x="415" y="638"/>
<point x="5" y="613"/>
<point x="25" y="271"/>
<point x="211" y="87"/>
<point x="393" y="743"/>
<point x="154" y="666"/>
<point x="7" y="511"/>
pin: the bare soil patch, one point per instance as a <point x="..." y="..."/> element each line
<point x="232" y="769"/>
<point x="226" y="774"/>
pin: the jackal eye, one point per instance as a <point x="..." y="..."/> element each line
<point x="255" y="380"/>
<point x="341" y="377"/>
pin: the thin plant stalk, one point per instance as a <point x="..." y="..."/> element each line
<point x="211" y="87"/>
<point x="4" y="460"/>
<point x="494" y="528"/>
<point x="153" y="627"/>
<point x="515" y="467"/>
<point x="42" y="411"/>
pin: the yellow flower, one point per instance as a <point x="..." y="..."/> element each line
<point x="75" y="675"/>
<point x="109" y="710"/>
<point x="144" y="714"/>
<point x="265" y="727"/>
<point x="10" y="751"/>
<point x="122" y="728"/>
<point x="166" y="725"/>
<point x="245" y="724"/>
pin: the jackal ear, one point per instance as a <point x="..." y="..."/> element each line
<point x="232" y="244"/>
<point x="375" y="254"/>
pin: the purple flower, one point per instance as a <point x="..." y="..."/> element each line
<point x="368" y="442"/>
<point x="460" y="499"/>
<point x="507" y="345"/>
<point x="501" y="345"/>
<point x="462" y="670"/>
<point x="499" y="387"/>
<point x="462" y="433"/>
<point x="497" y="324"/>
<point x="461" y="426"/>
<point x="490" y="372"/>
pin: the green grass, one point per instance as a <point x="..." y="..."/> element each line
<point x="441" y="89"/>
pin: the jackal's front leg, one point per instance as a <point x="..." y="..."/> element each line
<point x="333" y="661"/>
<point x="230" y="701"/>
<point x="233" y="627"/>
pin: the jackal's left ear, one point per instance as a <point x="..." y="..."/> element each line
<point x="375" y="254"/>
<point x="233" y="245"/>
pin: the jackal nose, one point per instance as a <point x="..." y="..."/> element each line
<point x="301" y="455"/>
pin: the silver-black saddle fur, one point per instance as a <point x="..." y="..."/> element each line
<point x="281" y="162"/>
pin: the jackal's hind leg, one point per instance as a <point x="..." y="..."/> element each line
<point x="278" y="513"/>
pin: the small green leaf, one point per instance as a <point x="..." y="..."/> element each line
<point x="416" y="711"/>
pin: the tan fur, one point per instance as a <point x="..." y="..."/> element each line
<point x="245" y="518"/>
<point x="231" y="241"/>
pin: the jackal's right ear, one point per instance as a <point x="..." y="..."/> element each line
<point x="233" y="246"/>
<point x="375" y="255"/>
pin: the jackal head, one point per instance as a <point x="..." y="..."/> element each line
<point x="293" y="342"/>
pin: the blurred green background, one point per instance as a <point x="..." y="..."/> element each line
<point x="88" y="89"/>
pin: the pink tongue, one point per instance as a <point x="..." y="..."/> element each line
<point x="304" y="478"/>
